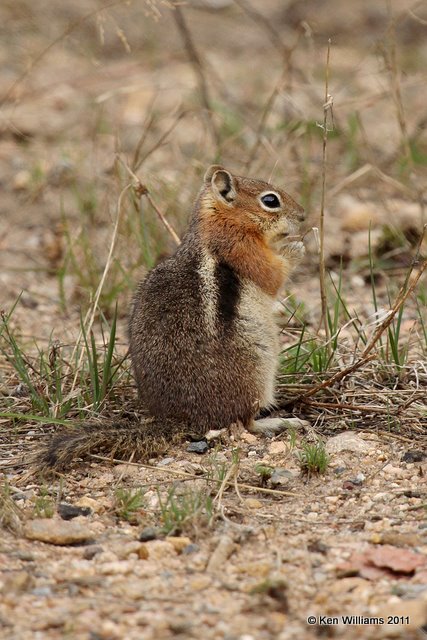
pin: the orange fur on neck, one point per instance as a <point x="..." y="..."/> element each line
<point x="240" y="243"/>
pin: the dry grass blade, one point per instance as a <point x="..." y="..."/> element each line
<point x="10" y="514"/>
<point x="265" y="113"/>
<point x="184" y="474"/>
<point x="198" y="69"/>
<point x="260" y="19"/>
<point x="141" y="190"/>
<point x="138" y="160"/>
<point x="229" y="479"/>
<point x="90" y="315"/>
<point x="390" y="58"/>
<point x="327" y="106"/>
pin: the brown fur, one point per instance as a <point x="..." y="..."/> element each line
<point x="243" y="247"/>
<point x="203" y="341"/>
<point x="125" y="440"/>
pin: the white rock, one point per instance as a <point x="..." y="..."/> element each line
<point x="390" y="470"/>
<point x="59" y="532"/>
<point x="347" y="441"/>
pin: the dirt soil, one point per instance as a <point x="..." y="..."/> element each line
<point x="274" y="554"/>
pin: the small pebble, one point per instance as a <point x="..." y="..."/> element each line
<point x="359" y="479"/>
<point x="20" y="391"/>
<point x="91" y="551"/>
<point x="149" y="533"/>
<point x="413" y="456"/>
<point x="281" y="476"/>
<point x="391" y="470"/>
<point x="317" y="546"/>
<point x="380" y="497"/>
<point x="87" y="502"/>
<point x="116" y="568"/>
<point x="165" y="462"/>
<point x="70" y="511"/>
<point x="339" y="470"/>
<point x="347" y="441"/>
<point x="348" y="485"/>
<point x="42" y="592"/>
<point x="179" y="543"/>
<point x="16" y="582"/>
<point x="250" y="438"/>
<point x="409" y="591"/>
<point x="123" y="549"/>
<point x="253" y="503"/>
<point x="198" y="447"/>
<point x="20" y="497"/>
<point x="160" y="550"/>
<point x="22" y="180"/>
<point x="277" y="448"/>
<point x="25" y="556"/>
<point x="57" y="532"/>
<point x="190" y="548"/>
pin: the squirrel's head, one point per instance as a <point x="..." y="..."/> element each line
<point x="250" y="203"/>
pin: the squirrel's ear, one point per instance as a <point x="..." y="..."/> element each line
<point x="222" y="183"/>
<point x="209" y="173"/>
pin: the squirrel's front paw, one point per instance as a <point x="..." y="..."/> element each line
<point x="294" y="252"/>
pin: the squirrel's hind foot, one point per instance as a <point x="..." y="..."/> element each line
<point x="274" y="426"/>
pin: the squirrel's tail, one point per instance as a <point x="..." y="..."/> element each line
<point x="125" y="440"/>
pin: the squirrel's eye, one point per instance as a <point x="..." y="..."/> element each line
<point x="270" y="200"/>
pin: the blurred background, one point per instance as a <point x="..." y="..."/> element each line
<point x="92" y="91"/>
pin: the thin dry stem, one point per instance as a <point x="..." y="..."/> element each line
<point x="264" y="116"/>
<point x="141" y="190"/>
<point x="184" y="474"/>
<point x="199" y="71"/>
<point x="228" y="480"/>
<point x="138" y="161"/>
<point x="166" y="224"/>
<point x="390" y="57"/>
<point x="322" y="270"/>
<point x="90" y="315"/>
<point x="260" y="19"/>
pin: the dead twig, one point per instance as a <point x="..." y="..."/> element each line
<point x="347" y="407"/>
<point x="90" y="315"/>
<point x="198" y="69"/>
<point x="327" y="106"/>
<point x="261" y="125"/>
<point x="138" y="161"/>
<point x="285" y="77"/>
<point x="260" y="19"/>
<point x="184" y="474"/>
<point x="142" y="190"/>
<point x="390" y="59"/>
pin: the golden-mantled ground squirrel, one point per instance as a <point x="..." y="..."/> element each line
<point x="203" y="337"/>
